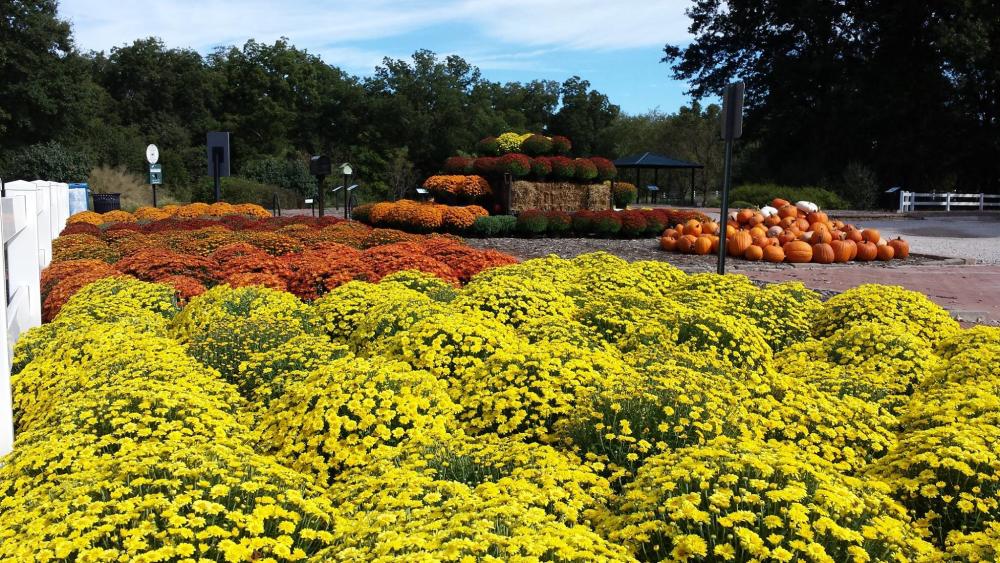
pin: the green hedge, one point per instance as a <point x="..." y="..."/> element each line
<point x="762" y="194"/>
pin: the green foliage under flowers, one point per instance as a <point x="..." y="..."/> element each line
<point x="494" y="226"/>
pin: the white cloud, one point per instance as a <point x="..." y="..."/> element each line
<point x="501" y="29"/>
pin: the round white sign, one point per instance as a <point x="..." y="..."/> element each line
<point x="152" y="154"/>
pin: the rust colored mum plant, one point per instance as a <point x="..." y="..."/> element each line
<point x="458" y="185"/>
<point x="155" y="264"/>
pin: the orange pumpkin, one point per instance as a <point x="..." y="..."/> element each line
<point x="884" y="253"/>
<point x="788" y="212"/>
<point x="802" y="224"/>
<point x="739" y="243"/>
<point x="774" y="254"/>
<point x="854" y="248"/>
<point x="754" y="253"/>
<point x="671" y="233"/>
<point x="731" y="230"/>
<point x="817" y="217"/>
<point x="668" y="243"/>
<point x="821" y="236"/>
<point x="901" y="248"/>
<point x="854" y="234"/>
<point x="871" y="235"/>
<point x="798" y="252"/>
<point x="692" y="227"/>
<point x="686" y="243"/>
<point x="755" y="219"/>
<point x="715" y="244"/>
<point x="838" y="224"/>
<point x="772" y="221"/>
<point x="786" y="238"/>
<point x="743" y="216"/>
<point x="841" y="251"/>
<point x="822" y="253"/>
<point x="710" y="228"/>
<point x="778" y="203"/>
<point x="866" y="251"/>
<point x="787" y="222"/>
<point x="703" y="245"/>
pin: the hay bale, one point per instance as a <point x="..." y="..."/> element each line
<point x="559" y="196"/>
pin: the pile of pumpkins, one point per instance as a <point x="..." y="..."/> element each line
<point x="785" y="232"/>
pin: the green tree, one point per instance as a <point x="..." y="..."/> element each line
<point x="42" y="79"/>
<point x="584" y="117"/>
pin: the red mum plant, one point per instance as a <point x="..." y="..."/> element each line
<point x="466" y="261"/>
<point x="81" y="229"/>
<point x="607" y="223"/>
<point x="541" y="167"/>
<point x="315" y="272"/>
<point x="488" y="146"/>
<point x="633" y="223"/>
<point x="186" y="287"/>
<point x="263" y="279"/>
<point x="381" y="237"/>
<point x="561" y="145"/>
<point x="123" y="227"/>
<point x="262" y="263"/>
<point x="275" y="244"/>
<point x="515" y="164"/>
<point x="385" y="260"/>
<point x="458" y="165"/>
<point x="154" y="264"/>
<point x="606" y="169"/>
<point x="656" y="221"/>
<point x="562" y="168"/>
<point x="586" y="170"/>
<point x="58" y="271"/>
<point x="559" y="222"/>
<point x="583" y="221"/>
<point x="485" y="165"/>
<point x="234" y="250"/>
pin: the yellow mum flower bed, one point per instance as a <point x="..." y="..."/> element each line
<point x="554" y="410"/>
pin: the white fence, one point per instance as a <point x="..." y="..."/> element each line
<point x="909" y="201"/>
<point x="31" y="215"/>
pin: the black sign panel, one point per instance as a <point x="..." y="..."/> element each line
<point x="218" y="148"/>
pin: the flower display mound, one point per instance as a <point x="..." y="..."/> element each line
<point x="746" y="501"/>
<point x="307" y="258"/>
<point x="418" y="217"/>
<point x="584" y="409"/>
<point x="149" y="214"/>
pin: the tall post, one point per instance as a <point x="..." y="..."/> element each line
<point x="216" y="157"/>
<point x="732" y="129"/>
<point x="345" y="195"/>
<point x="321" y="203"/>
<point x="154" y="194"/>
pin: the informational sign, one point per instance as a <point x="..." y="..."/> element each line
<point x="152" y="154"/>
<point x="732" y="111"/>
<point x="155" y="174"/>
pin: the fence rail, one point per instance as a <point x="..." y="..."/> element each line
<point x="909" y="201"/>
<point x="31" y="215"/>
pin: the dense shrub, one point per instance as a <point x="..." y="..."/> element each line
<point x="532" y="222"/>
<point x="458" y="165"/>
<point x="235" y="189"/>
<point x="494" y="226"/>
<point x="541" y="167"/>
<point x="586" y="170"/>
<point x="624" y="194"/>
<point x="537" y="145"/>
<point x="488" y="146"/>
<point x="560" y="222"/>
<point x="288" y="174"/>
<point x="605" y="168"/>
<point x="562" y="168"/>
<point x="47" y="160"/>
<point x="561" y="145"/>
<point x="758" y="195"/>
<point x="633" y="223"/>
<point x="485" y="165"/>
<point x="607" y="223"/>
<point x="583" y="222"/>
<point x="515" y="164"/>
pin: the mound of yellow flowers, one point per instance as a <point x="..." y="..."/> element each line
<point x="555" y="410"/>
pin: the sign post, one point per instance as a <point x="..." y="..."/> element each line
<point x="218" y="159"/>
<point x="155" y="171"/>
<point x="346" y="169"/>
<point x="319" y="166"/>
<point x="732" y="129"/>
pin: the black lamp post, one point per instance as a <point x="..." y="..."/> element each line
<point x="346" y="169"/>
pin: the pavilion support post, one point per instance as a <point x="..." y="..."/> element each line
<point x="692" y="186"/>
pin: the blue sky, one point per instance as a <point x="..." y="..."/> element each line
<point x="615" y="44"/>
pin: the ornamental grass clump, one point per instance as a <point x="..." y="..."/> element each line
<point x="352" y="411"/>
<point x="752" y="501"/>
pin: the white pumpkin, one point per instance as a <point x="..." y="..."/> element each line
<point x="807" y="236"/>
<point x="775" y="231"/>
<point x="768" y="211"/>
<point x="807" y="206"/>
<point x="881" y="242"/>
